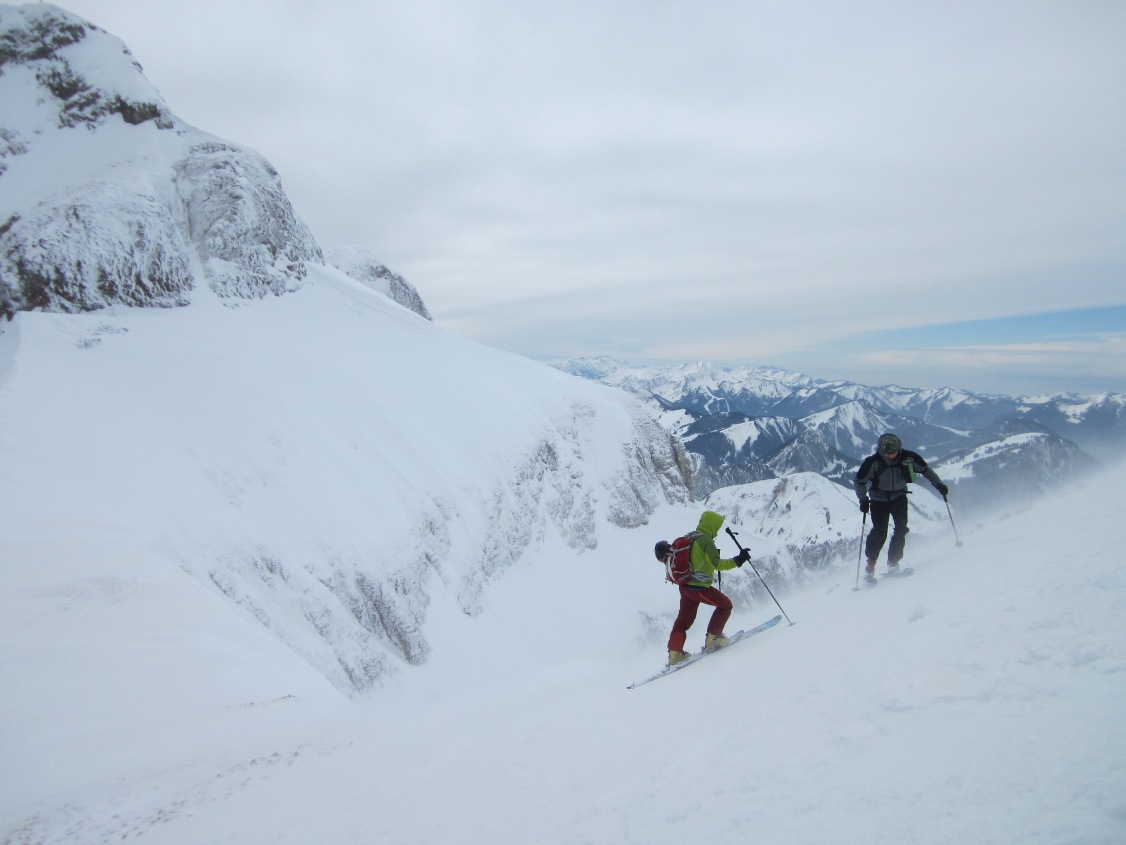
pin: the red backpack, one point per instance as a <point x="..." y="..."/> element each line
<point x="677" y="557"/>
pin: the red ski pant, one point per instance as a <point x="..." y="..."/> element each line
<point x="690" y="600"/>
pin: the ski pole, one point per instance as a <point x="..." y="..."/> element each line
<point x="735" y="537"/>
<point x="957" y="539"/>
<point x="860" y="551"/>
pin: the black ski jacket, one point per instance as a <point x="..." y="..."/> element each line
<point x="882" y="480"/>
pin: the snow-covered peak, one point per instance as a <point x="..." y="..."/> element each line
<point x="700" y="386"/>
<point x="363" y="266"/>
<point x="87" y="71"/>
<point x="107" y="198"/>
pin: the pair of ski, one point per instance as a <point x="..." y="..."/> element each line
<point x="872" y="581"/>
<point x="700" y="655"/>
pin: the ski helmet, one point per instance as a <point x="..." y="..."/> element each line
<point x="889" y="444"/>
<point x="662" y="550"/>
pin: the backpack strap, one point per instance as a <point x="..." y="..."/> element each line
<point x="881" y="465"/>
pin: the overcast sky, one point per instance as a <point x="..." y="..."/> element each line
<point x="925" y="194"/>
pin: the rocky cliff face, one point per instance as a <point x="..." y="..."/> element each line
<point x="364" y="267"/>
<point x="108" y="198"/>
<point x="241" y="224"/>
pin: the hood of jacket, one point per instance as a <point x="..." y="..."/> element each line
<point x="710" y="523"/>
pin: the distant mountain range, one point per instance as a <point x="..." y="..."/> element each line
<point x="747" y="424"/>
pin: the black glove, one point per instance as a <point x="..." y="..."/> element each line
<point x="865" y="505"/>
<point x="942" y="489"/>
<point x="743" y="556"/>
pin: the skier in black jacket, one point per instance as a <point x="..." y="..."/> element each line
<point x="881" y="486"/>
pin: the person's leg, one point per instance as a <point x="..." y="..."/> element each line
<point x="722" y="612"/>
<point x="881" y="512"/>
<point x="689" y="604"/>
<point x="899" y="530"/>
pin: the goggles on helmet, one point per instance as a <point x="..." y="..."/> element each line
<point x="889" y="445"/>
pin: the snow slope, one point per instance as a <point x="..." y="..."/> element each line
<point x="979" y="701"/>
<point x="327" y="461"/>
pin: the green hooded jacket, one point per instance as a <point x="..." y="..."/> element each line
<point x="705" y="556"/>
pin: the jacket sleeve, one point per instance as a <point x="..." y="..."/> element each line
<point x="932" y="476"/>
<point x="723" y="563"/>
<point x="726" y="563"/>
<point x="706" y="558"/>
<point x="863" y="476"/>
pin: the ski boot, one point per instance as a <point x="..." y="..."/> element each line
<point x="870" y="572"/>
<point x="678" y="657"/>
<point x="714" y="641"/>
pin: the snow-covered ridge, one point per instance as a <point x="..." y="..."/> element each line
<point x="800" y="525"/>
<point x="52" y="44"/>
<point x="279" y="455"/>
<point x="363" y="266"/>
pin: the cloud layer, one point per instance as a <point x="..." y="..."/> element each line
<point x="734" y="181"/>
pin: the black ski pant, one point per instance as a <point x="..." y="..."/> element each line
<point x="896" y="510"/>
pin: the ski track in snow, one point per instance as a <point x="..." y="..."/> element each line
<point x="979" y="701"/>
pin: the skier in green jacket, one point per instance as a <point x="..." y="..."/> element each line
<point x="706" y="561"/>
